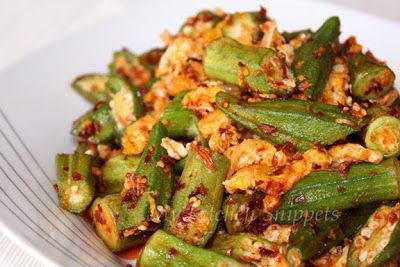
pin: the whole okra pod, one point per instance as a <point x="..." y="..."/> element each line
<point x="313" y="237"/>
<point x="249" y="248"/>
<point x="104" y="213"/>
<point x="92" y="87"/>
<point x="163" y="249"/>
<point x="377" y="242"/>
<point x="75" y="182"/>
<point x="256" y="68"/>
<point x="314" y="60"/>
<point x="369" y="79"/>
<point x="329" y="191"/>
<point x="197" y="201"/>
<point x="148" y="190"/>
<point x="114" y="171"/>
<point x="96" y="125"/>
<point x="180" y="121"/>
<point x="302" y="123"/>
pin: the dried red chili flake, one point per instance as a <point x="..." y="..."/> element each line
<point x="375" y="87"/>
<point x="56" y="187"/>
<point x="392" y="218"/>
<point x="296" y="156"/>
<point x="315" y="166"/>
<point x="318" y="53"/>
<point x="172" y="252"/>
<point x="287" y="148"/>
<point x="263" y="14"/>
<point x="168" y="160"/>
<point x="248" y="259"/>
<point x="66" y="169"/>
<point x="299" y="199"/>
<point x="76" y="176"/>
<point x="265" y="252"/>
<point x="149" y="154"/>
<point x="89" y="130"/>
<point x="133" y="194"/>
<point x="179" y="186"/>
<point x="344" y="168"/>
<point x="341" y="189"/>
<point x="267" y="129"/>
<point x="98" y="215"/>
<point x="206" y="158"/>
<point x="231" y="200"/>
<point x="188" y="215"/>
<point x="200" y="189"/>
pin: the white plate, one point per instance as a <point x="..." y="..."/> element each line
<point x="37" y="107"/>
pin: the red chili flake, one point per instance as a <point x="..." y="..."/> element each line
<point x="287" y="148"/>
<point x="375" y="87"/>
<point x="318" y="53"/>
<point x="76" y="176"/>
<point x="267" y="129"/>
<point x="296" y="156"/>
<point x="149" y="154"/>
<point x="172" y="252"/>
<point x="206" y="158"/>
<point x="299" y="199"/>
<point x="89" y="130"/>
<point x="341" y="189"/>
<point x="247" y="259"/>
<point x="168" y="160"/>
<point x="265" y="252"/>
<point x="344" y="168"/>
<point x="66" y="169"/>
<point x="142" y="89"/>
<point x="231" y="200"/>
<point x="188" y="215"/>
<point x="98" y="215"/>
<point x="225" y="103"/>
<point x="263" y="14"/>
<point x="179" y="186"/>
<point x="392" y="218"/>
<point x="315" y="166"/>
<point x="200" y="189"/>
<point x="133" y="194"/>
<point x="56" y="187"/>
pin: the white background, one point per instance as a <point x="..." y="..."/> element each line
<point x="27" y="25"/>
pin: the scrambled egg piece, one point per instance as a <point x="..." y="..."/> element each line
<point x="175" y="150"/>
<point x="337" y="86"/>
<point x="157" y="98"/>
<point x="278" y="233"/>
<point x="202" y="99"/>
<point x="354" y="153"/>
<point x="252" y="152"/>
<point x="218" y="129"/>
<point x="180" y="66"/>
<point x="136" y="136"/>
<point x="276" y="181"/>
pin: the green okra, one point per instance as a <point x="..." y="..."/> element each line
<point x="92" y="87"/>
<point x="180" y="121"/>
<point x="75" y="182"/>
<point x="127" y="65"/>
<point x="163" y="250"/>
<point x="151" y="186"/>
<point x="383" y="134"/>
<point x="96" y="126"/>
<point x="311" y="238"/>
<point x="115" y="170"/>
<point x="248" y="246"/>
<point x="104" y="213"/>
<point x="243" y="25"/>
<point x="329" y="191"/>
<point x="197" y="201"/>
<point x="240" y="210"/>
<point x="288" y="36"/>
<point x="377" y="242"/>
<point x="300" y="122"/>
<point x="314" y="60"/>
<point x="256" y="68"/>
<point x="369" y="79"/>
<point x="202" y="21"/>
